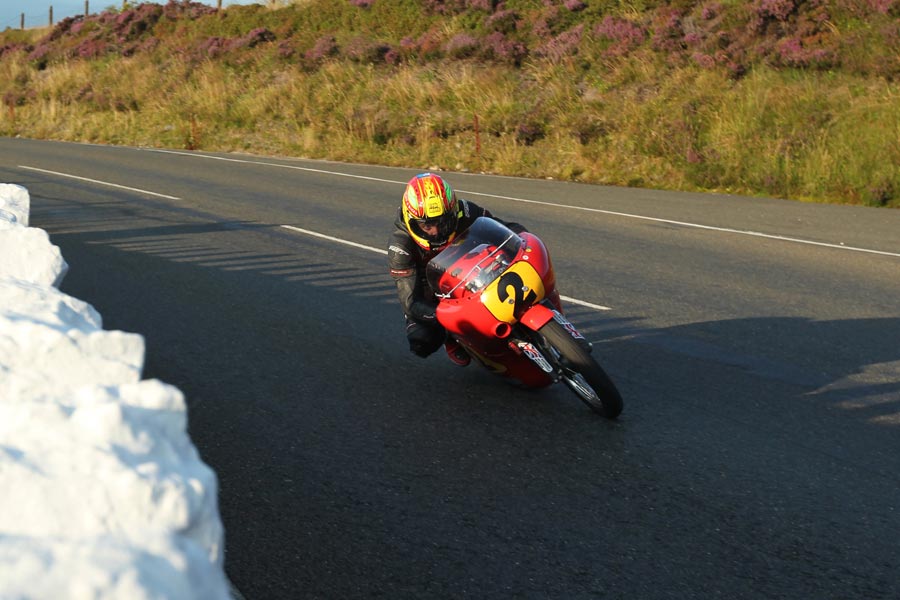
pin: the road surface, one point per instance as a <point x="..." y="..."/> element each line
<point x="756" y="343"/>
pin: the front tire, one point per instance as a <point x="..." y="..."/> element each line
<point x="582" y="373"/>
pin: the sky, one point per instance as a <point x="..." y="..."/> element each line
<point x="37" y="12"/>
<point x="104" y="494"/>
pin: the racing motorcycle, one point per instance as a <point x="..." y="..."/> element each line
<point x="497" y="297"/>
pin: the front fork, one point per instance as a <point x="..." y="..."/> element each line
<point x="573" y="331"/>
<point x="533" y="345"/>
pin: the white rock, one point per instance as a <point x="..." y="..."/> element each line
<point x="47" y="357"/>
<point x="15" y="203"/>
<point x="102" y="492"/>
<point x="118" y="457"/>
<point x="26" y="253"/>
<point x="48" y="306"/>
<point x="107" y="568"/>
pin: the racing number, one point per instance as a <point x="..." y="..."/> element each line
<point x="522" y="298"/>
<point x="513" y="292"/>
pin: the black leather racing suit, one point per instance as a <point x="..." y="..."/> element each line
<point x="407" y="261"/>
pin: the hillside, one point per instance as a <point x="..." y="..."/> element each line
<point x="787" y="98"/>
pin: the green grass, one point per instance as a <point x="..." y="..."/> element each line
<point x="697" y="115"/>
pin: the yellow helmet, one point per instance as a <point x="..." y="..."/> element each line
<point x="429" y="201"/>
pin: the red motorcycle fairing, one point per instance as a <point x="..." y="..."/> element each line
<point x="487" y="281"/>
<point x="498" y="354"/>
<point x="497" y="296"/>
<point x="536" y="317"/>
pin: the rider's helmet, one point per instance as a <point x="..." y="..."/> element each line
<point x="429" y="201"/>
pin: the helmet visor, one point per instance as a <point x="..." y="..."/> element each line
<point x="433" y="223"/>
<point x="436" y="229"/>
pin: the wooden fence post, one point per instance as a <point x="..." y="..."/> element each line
<point x="51" y="15"/>
<point x="22" y="22"/>
<point x="477" y="139"/>
<point x="87" y="8"/>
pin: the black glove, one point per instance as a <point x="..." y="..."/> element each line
<point x="423" y="310"/>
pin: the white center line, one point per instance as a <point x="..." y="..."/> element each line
<point x="686" y="224"/>
<point x="380" y="251"/>
<point x="279" y="165"/>
<point x="334" y="239"/>
<point x="555" y="205"/>
<point x="97" y="181"/>
<point x="583" y="303"/>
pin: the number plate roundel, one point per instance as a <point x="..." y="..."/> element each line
<point x="514" y="291"/>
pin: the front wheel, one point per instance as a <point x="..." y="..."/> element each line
<point x="582" y="373"/>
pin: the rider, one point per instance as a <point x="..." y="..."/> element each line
<point x="429" y="218"/>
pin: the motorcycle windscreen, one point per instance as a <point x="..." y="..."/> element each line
<point x="475" y="258"/>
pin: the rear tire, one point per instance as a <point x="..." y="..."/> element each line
<point x="582" y="373"/>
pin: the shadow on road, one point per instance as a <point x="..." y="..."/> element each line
<point x="851" y="364"/>
<point x="343" y="472"/>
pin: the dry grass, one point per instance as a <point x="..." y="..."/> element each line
<point x="639" y="120"/>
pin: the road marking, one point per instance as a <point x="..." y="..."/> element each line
<point x="555" y="205"/>
<point x="583" y="303"/>
<point x="694" y="225"/>
<point x="270" y="164"/>
<point x="334" y="239"/>
<point x="97" y="181"/>
<point x="384" y="252"/>
<point x="297" y="229"/>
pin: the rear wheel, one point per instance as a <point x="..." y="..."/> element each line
<point x="582" y="373"/>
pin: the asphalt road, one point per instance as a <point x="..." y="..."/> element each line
<point x="756" y="343"/>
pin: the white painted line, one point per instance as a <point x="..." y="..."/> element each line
<point x="583" y="303"/>
<point x="297" y="229"/>
<point x="380" y="251"/>
<point x="97" y="181"/>
<point x="334" y="239"/>
<point x="686" y="224"/>
<point x="279" y="165"/>
<point x="554" y="204"/>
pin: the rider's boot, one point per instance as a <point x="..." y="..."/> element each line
<point x="457" y="353"/>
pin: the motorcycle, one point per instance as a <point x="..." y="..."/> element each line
<point x="497" y="297"/>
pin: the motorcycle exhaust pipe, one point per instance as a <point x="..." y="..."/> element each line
<point x="502" y="330"/>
